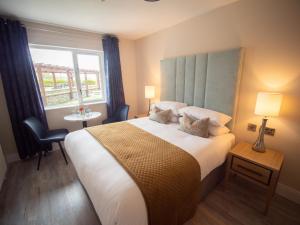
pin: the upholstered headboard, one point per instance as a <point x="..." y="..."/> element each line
<point x="207" y="80"/>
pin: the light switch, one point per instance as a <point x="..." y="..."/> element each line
<point x="269" y="131"/>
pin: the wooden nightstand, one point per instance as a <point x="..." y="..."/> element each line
<point x="260" y="168"/>
<point x="141" y="115"/>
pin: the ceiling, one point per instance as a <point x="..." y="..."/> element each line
<point x="132" y="19"/>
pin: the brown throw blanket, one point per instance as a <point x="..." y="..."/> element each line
<point x="168" y="177"/>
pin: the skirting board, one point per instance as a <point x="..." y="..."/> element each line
<point x="3" y="168"/>
<point x="10" y="158"/>
<point x="288" y="192"/>
<point x="2" y="178"/>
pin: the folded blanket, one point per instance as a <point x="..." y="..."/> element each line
<point x="168" y="177"/>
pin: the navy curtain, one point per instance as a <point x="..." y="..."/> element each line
<point x="20" y="85"/>
<point x="113" y="74"/>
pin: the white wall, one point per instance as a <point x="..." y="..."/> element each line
<point x="2" y="167"/>
<point x="58" y="36"/>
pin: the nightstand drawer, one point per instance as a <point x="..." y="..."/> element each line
<point x="251" y="170"/>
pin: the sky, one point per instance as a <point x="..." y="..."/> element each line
<point x="64" y="58"/>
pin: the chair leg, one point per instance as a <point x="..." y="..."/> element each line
<point x="62" y="152"/>
<point x="39" y="161"/>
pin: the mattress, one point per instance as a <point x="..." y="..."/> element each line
<point x="115" y="196"/>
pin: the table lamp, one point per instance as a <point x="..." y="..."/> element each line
<point x="149" y="94"/>
<point x="267" y="105"/>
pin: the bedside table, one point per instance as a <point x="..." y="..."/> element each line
<point x="260" y="168"/>
<point x="141" y="115"/>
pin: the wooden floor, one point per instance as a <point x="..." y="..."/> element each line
<point x="54" y="196"/>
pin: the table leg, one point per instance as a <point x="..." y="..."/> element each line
<point x="84" y="124"/>
<point x="271" y="190"/>
<point x="228" y="165"/>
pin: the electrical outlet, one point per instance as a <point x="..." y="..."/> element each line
<point x="269" y="131"/>
<point x="251" y="127"/>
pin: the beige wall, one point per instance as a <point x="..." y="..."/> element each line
<point x="7" y="140"/>
<point x="128" y="63"/>
<point x="270" y="32"/>
<point x="44" y="34"/>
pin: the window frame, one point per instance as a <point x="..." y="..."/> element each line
<point x="75" y="52"/>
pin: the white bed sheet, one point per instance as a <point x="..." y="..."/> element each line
<point x="115" y="196"/>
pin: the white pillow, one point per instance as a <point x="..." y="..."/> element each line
<point x="216" y="131"/>
<point x="216" y="118"/>
<point x="174" y="106"/>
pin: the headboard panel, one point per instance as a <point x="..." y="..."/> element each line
<point x="208" y="80"/>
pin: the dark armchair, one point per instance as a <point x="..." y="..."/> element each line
<point x="120" y="115"/>
<point x="44" y="136"/>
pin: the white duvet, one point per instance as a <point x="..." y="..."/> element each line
<point x="115" y="196"/>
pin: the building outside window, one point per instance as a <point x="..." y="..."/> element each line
<point x="67" y="76"/>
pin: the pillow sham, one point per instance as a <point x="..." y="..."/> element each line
<point x="194" y="126"/>
<point x="161" y="116"/>
<point x="172" y="105"/>
<point x="218" y="130"/>
<point x="216" y="118"/>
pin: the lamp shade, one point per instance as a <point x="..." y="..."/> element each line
<point x="149" y="92"/>
<point x="268" y="104"/>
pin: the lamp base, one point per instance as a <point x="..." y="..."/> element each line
<point x="149" y="107"/>
<point x="259" y="144"/>
<point x="259" y="147"/>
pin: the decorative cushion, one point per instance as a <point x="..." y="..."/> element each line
<point x="216" y="118"/>
<point x="161" y="116"/>
<point x="174" y="106"/>
<point x="194" y="126"/>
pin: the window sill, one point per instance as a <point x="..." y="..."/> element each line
<point x="72" y="106"/>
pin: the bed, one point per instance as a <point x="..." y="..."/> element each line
<point x="208" y="80"/>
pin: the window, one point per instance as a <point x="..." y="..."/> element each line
<point x="68" y="77"/>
